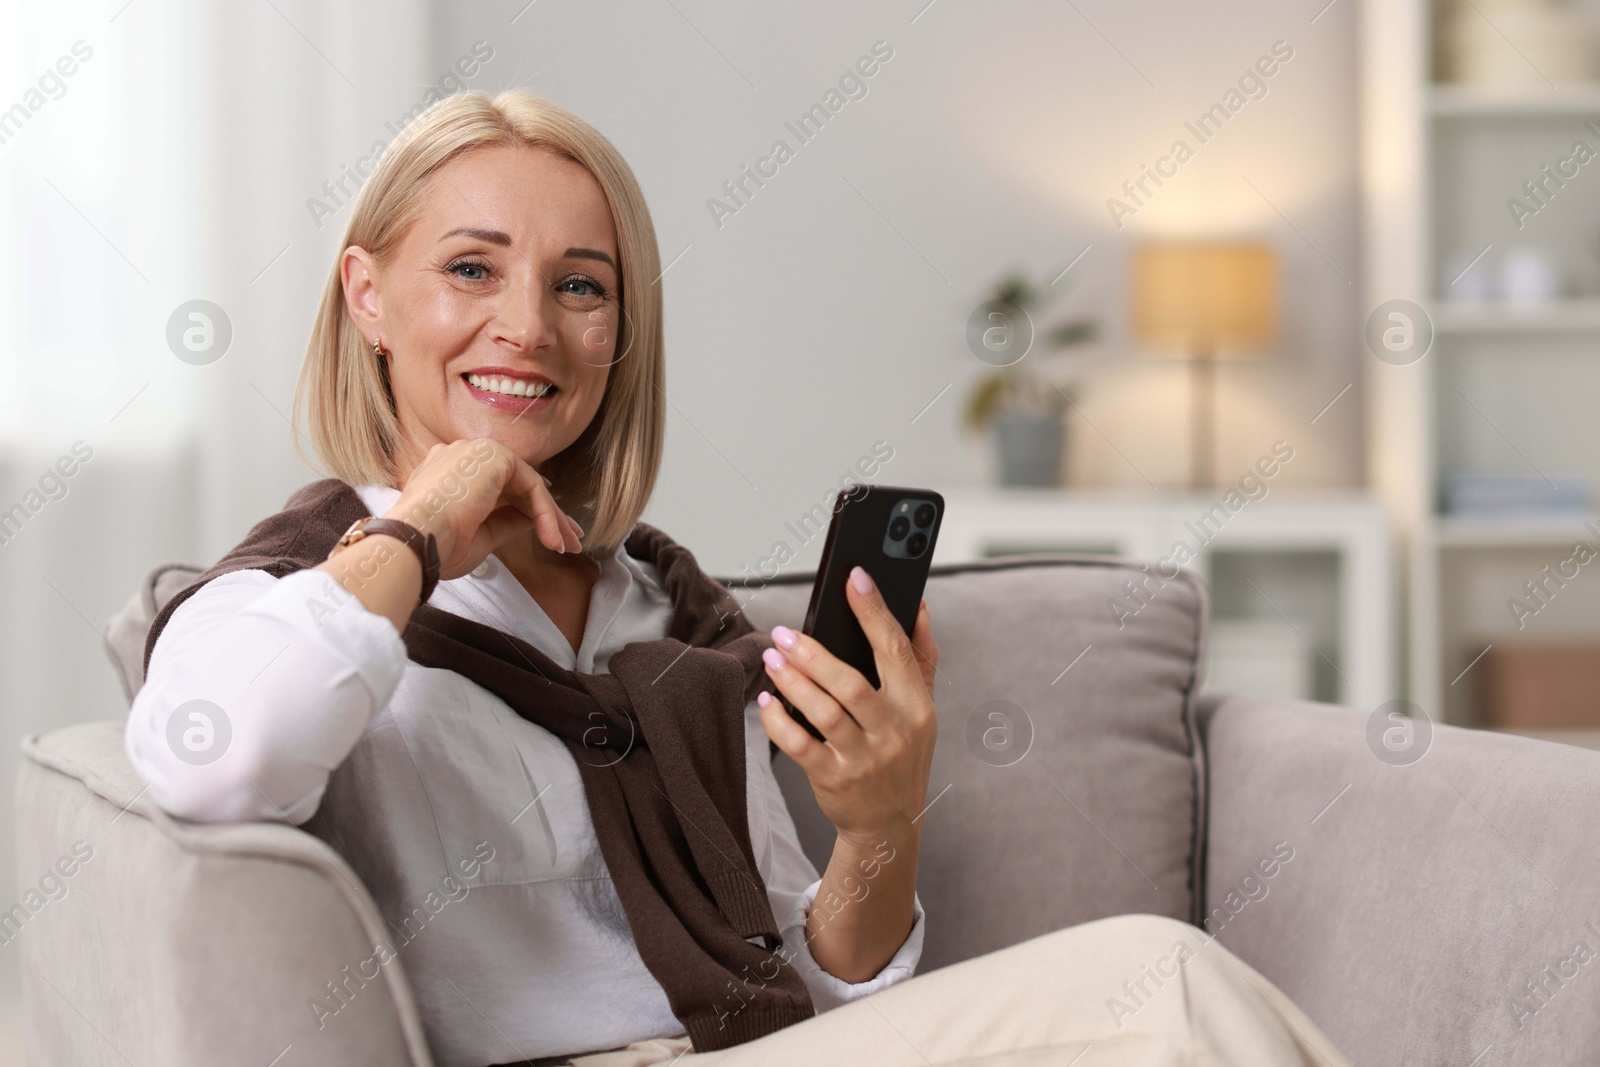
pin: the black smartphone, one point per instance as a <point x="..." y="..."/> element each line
<point x="889" y="531"/>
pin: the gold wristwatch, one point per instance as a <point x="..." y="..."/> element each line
<point x="426" y="547"/>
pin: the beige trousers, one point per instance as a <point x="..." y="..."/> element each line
<point x="1133" y="990"/>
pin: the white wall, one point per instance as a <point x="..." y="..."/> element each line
<point x="813" y="323"/>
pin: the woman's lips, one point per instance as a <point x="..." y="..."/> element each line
<point x="519" y="404"/>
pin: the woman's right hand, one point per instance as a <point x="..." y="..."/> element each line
<point x="475" y="495"/>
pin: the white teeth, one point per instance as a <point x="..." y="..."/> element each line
<point x="509" y="386"/>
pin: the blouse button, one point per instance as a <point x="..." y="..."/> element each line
<point x="482" y="569"/>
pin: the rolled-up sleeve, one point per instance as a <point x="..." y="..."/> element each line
<point x="258" y="689"/>
<point x="828" y="991"/>
<point x="793" y="881"/>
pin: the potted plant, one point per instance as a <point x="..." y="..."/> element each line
<point x="1024" y="400"/>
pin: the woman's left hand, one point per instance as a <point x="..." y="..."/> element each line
<point x="871" y="775"/>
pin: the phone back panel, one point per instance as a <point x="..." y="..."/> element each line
<point x="856" y="536"/>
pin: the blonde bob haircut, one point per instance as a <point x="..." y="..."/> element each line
<point x="605" y="477"/>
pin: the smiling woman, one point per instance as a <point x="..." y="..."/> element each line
<point x="484" y="379"/>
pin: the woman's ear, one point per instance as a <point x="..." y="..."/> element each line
<point x="358" y="272"/>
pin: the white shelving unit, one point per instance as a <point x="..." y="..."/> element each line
<point x="1503" y="389"/>
<point x="1567" y="316"/>
<point x="1555" y="532"/>
<point x="1464" y="101"/>
<point x="1320" y="563"/>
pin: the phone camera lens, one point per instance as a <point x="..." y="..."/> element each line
<point x="918" y="542"/>
<point x="924" y="516"/>
<point x="899" y="528"/>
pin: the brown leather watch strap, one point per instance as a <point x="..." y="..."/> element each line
<point x="425" y="547"/>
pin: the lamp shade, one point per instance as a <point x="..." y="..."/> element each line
<point x="1207" y="299"/>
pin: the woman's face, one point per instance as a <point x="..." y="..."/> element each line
<point x="500" y="307"/>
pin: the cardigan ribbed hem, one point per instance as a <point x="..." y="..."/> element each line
<point x="714" y="1028"/>
<point x="747" y="909"/>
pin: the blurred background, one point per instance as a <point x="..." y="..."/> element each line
<point x="1302" y="297"/>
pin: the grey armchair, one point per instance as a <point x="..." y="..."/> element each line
<point x="1443" y="912"/>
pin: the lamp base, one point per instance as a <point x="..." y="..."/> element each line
<point x="1202" y="418"/>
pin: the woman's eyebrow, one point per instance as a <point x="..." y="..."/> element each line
<point x="590" y="253"/>
<point x="496" y="237"/>
<point x="499" y="237"/>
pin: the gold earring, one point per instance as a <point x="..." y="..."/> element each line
<point x="378" y="349"/>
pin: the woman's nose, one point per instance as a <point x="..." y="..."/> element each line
<point x="527" y="314"/>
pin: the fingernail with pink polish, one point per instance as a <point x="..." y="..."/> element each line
<point x="859" y="579"/>
<point x="784" y="636"/>
<point x="763" y="698"/>
<point x="774" y="659"/>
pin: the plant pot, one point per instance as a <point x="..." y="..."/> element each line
<point x="1030" y="448"/>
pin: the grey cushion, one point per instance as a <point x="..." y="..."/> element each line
<point x="1102" y="816"/>
<point x="1418" y="905"/>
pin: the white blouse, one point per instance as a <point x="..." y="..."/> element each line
<point x="468" y="824"/>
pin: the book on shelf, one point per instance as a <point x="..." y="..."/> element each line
<point x="1516" y="495"/>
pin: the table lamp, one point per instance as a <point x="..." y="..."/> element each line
<point x="1211" y="301"/>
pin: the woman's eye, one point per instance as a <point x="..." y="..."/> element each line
<point x="462" y="267"/>
<point x="581" y="286"/>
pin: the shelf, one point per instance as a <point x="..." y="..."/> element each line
<point x="1460" y="101"/>
<point x="1562" y="316"/>
<point x="1437" y="162"/>
<point x="1323" y="558"/>
<point x="1548" y="531"/>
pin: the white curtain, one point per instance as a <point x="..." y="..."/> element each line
<point x="172" y="164"/>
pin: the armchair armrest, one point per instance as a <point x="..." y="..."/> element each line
<point x="150" y="940"/>
<point x="1430" y="910"/>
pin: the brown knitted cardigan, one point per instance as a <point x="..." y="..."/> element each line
<point x="660" y="747"/>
